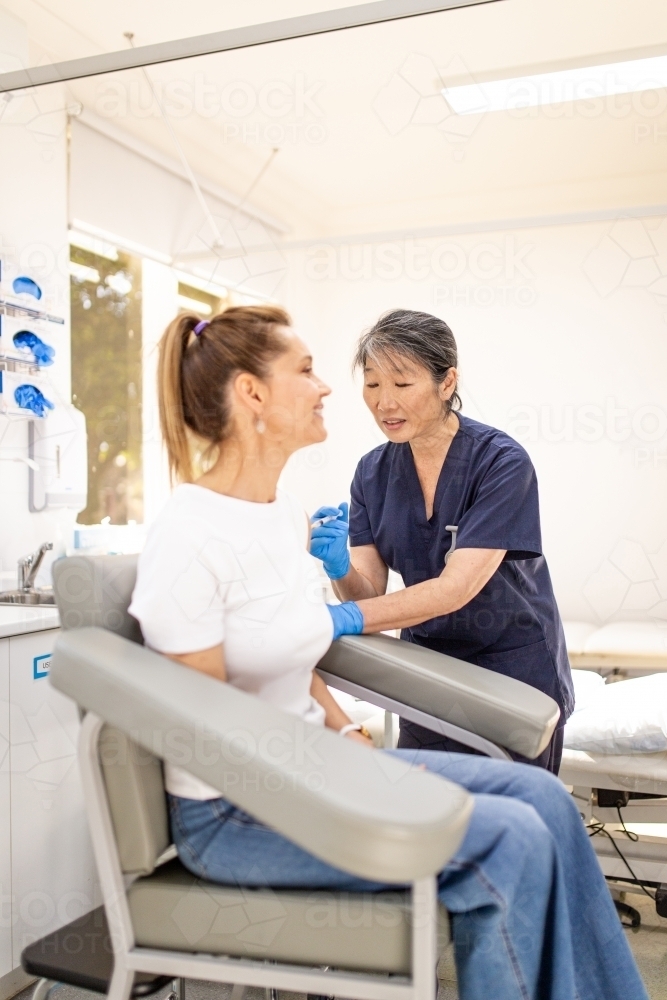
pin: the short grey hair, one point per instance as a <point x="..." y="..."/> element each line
<point x="418" y="336"/>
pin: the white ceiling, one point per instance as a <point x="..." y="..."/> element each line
<point x="377" y="150"/>
<point x="70" y="29"/>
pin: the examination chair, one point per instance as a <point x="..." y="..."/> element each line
<point x="367" y="813"/>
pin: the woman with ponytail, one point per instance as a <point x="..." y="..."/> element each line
<point x="226" y="585"/>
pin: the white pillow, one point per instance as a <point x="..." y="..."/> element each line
<point x="587" y="685"/>
<point x="624" y="718"/>
<point x="576" y="634"/>
<point x="628" y="639"/>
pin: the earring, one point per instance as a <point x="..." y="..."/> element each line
<point x="260" y="426"/>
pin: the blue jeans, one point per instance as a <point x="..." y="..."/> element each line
<point x="532" y="918"/>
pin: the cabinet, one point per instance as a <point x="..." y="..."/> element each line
<point x="6" y="963"/>
<point x="52" y="870"/>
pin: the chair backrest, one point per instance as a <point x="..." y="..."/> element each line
<point x="97" y="590"/>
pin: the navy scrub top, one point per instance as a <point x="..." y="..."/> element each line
<point x="488" y="487"/>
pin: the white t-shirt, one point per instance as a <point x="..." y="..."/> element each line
<point x="220" y="570"/>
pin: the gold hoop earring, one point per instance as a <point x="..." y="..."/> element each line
<point x="260" y="426"/>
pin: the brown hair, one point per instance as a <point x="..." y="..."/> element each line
<point x="195" y="372"/>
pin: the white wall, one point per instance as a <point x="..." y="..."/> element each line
<point x="120" y="186"/>
<point x="33" y="235"/>
<point x="562" y="334"/>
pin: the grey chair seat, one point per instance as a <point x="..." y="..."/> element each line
<point x="173" y="909"/>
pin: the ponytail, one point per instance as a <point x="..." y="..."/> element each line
<point x="170" y="396"/>
<point x="195" y="371"/>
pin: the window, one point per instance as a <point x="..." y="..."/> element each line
<point x="105" y="296"/>
<point x="195" y="300"/>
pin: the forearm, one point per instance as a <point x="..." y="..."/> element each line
<point x="411" y="606"/>
<point x="466" y="573"/>
<point x="334" y="716"/>
<point x="354" y="586"/>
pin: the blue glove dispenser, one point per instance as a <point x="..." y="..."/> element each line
<point x="26" y="286"/>
<point x="29" y="397"/>
<point x="42" y="353"/>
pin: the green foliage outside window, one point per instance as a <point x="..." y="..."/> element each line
<point x="106" y="381"/>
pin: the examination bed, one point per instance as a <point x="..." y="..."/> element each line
<point x="605" y="783"/>
<point x="615" y="790"/>
<point x="622" y="649"/>
<point x="370" y="815"/>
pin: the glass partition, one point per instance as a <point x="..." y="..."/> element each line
<point x="502" y="170"/>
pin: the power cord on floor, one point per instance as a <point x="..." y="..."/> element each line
<point x="597" y="828"/>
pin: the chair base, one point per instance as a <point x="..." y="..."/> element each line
<point x="80" y="954"/>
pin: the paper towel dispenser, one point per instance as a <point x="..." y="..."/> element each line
<point x="59" y="447"/>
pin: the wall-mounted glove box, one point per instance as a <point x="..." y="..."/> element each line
<point x="27" y="288"/>
<point x="30" y="341"/>
<point x="25" y="394"/>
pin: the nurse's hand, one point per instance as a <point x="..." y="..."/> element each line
<point x="328" y="542"/>
<point x="347" y="619"/>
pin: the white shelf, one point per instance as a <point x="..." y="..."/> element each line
<point x="13" y="308"/>
<point x="10" y="364"/>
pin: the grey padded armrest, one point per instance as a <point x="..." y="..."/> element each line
<point x="501" y="709"/>
<point x="358" y="809"/>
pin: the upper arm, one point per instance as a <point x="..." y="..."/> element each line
<point x="178" y="598"/>
<point x="208" y="661"/>
<point x="367" y="560"/>
<point x="469" y="570"/>
<point x="361" y="532"/>
<point x="363" y="552"/>
<point x="504" y="513"/>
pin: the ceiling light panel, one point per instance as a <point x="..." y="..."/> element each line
<point x="583" y="84"/>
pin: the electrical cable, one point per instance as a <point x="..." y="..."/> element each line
<point x="598" y="828"/>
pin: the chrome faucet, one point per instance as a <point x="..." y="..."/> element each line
<point x="29" y="567"/>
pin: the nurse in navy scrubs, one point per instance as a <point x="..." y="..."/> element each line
<point x="452" y="506"/>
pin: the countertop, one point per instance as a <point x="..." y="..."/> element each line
<point x="18" y="620"/>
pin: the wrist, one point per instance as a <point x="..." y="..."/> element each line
<point x="347" y="619"/>
<point x="338" y="569"/>
<point x="354" y="727"/>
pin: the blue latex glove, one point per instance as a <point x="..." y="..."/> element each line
<point x="328" y="542"/>
<point x="26" y="340"/>
<point x="28" y="397"/>
<point x="347" y="619"/>
<point x="26" y="286"/>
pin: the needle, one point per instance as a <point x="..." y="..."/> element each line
<point x="325" y="520"/>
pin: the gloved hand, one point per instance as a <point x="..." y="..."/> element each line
<point x="328" y="542"/>
<point x="347" y="619"/>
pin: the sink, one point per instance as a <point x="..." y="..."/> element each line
<point x="29" y="597"/>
